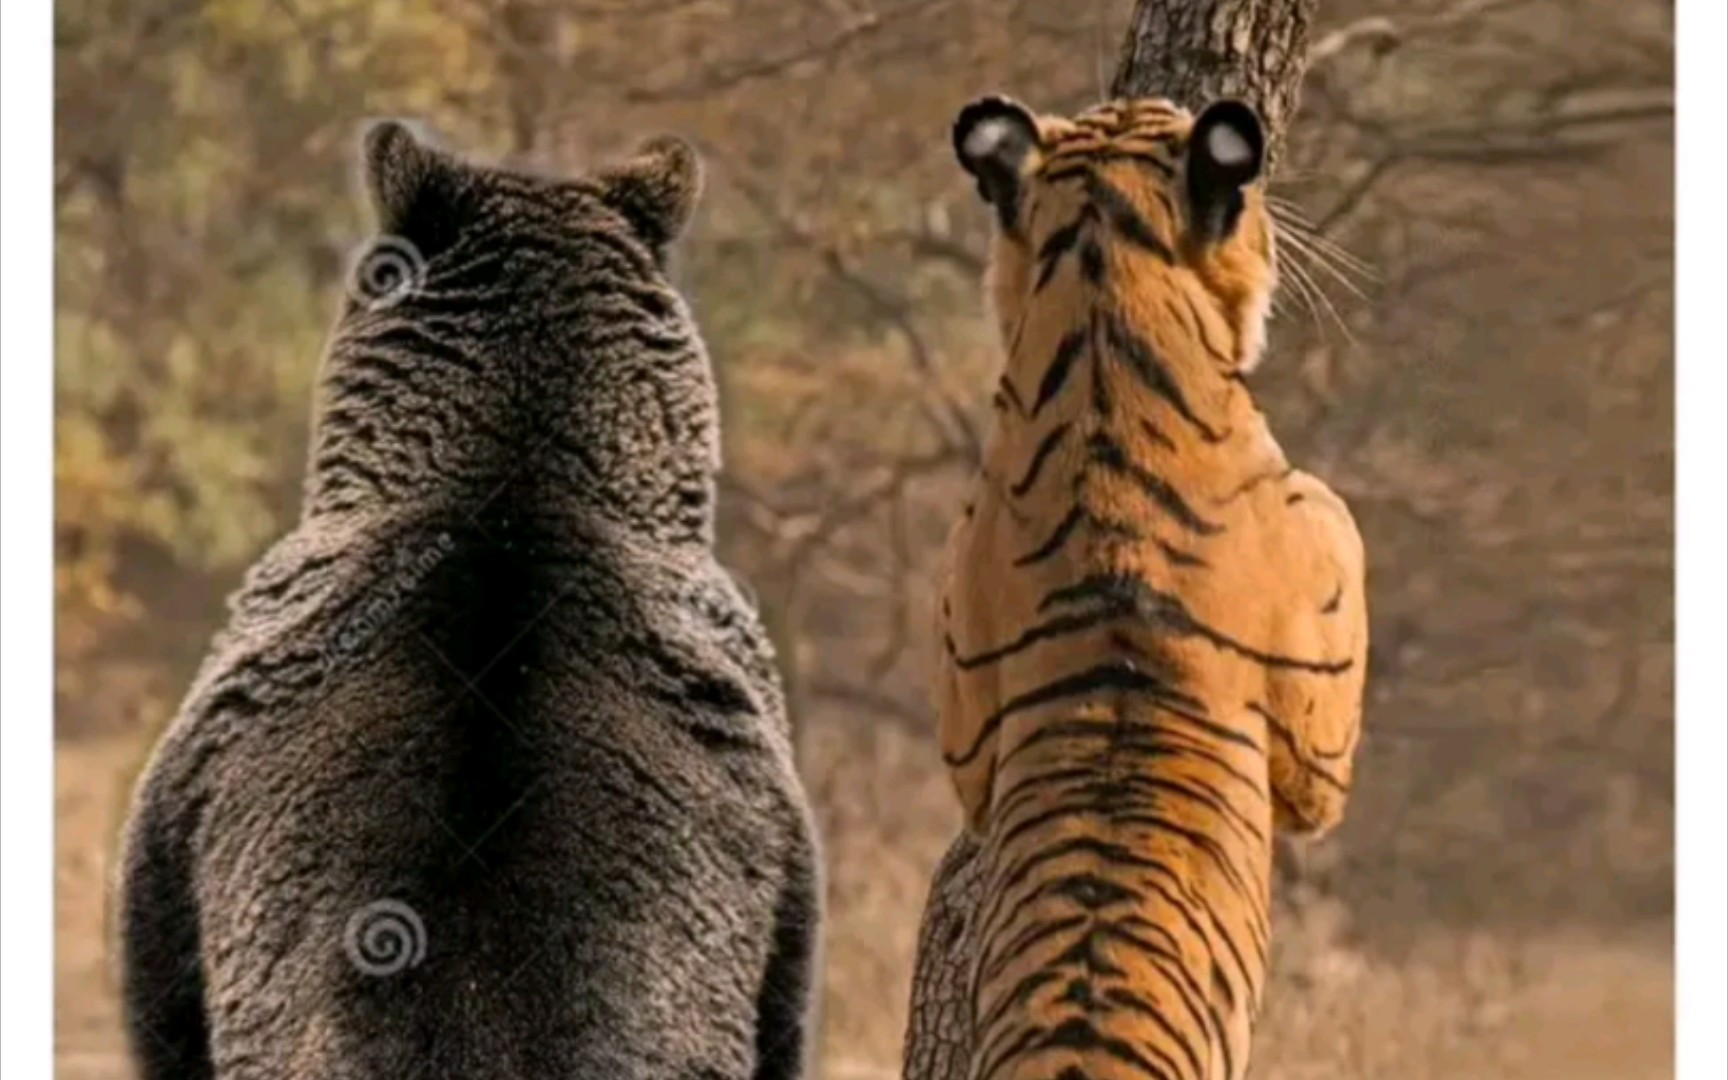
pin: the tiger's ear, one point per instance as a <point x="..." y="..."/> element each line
<point x="995" y="139"/>
<point x="656" y="189"/>
<point x="405" y="178"/>
<point x="1226" y="151"/>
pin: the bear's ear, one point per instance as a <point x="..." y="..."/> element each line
<point x="1226" y="152"/>
<point x="404" y="176"/>
<point x="656" y="189"/>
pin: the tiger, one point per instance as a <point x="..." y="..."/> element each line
<point x="490" y="772"/>
<point x="1152" y="628"/>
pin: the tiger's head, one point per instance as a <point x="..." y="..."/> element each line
<point x="1178" y="195"/>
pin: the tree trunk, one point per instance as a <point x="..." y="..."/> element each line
<point x="1193" y="51"/>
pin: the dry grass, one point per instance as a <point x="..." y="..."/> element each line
<point x="1458" y="1004"/>
<point x="1474" y="1002"/>
<point x="1471" y="1004"/>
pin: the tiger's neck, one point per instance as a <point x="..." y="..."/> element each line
<point x="1147" y="372"/>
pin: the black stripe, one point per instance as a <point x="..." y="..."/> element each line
<point x="1008" y="212"/>
<point x="1099" y="793"/>
<point x="1178" y="557"/>
<point x="1128" y="1001"/>
<point x="1183" y="905"/>
<point x="1117" y="604"/>
<point x="1169" y="962"/>
<point x="1112" y="589"/>
<point x="1055" y="540"/>
<point x="1009" y="877"/>
<point x="1079" y="1034"/>
<point x="1076" y="516"/>
<point x="993" y="960"/>
<point x="1079" y="951"/>
<point x="1016" y="998"/>
<point x="1205" y="339"/>
<point x="1194" y="325"/>
<point x="1066" y="169"/>
<point x="1058" y="244"/>
<point x="1086" y="954"/>
<point x="1056" y="887"/>
<point x="1110" y="454"/>
<point x="1192" y="746"/>
<point x="1158" y="437"/>
<point x="1067" y="351"/>
<point x="1200" y="793"/>
<point x="1282" y="730"/>
<point x="1094" y="893"/>
<point x="1125" y="218"/>
<point x="1026" y="1036"/>
<point x="1113" y="676"/>
<point x="1331" y="606"/>
<point x="1041" y="787"/>
<point x="1060" y="810"/>
<point x="1231" y="873"/>
<point x="1055" y="628"/>
<point x="1184" y="1040"/>
<point x="1164" y="199"/>
<point x="1005" y="386"/>
<point x="1100" y="388"/>
<point x="1253" y="482"/>
<point x="1163" y="169"/>
<point x="1092" y="261"/>
<point x="1138" y="354"/>
<point x="1045" y="447"/>
<point x="1145" y="744"/>
<point x="1124" y="593"/>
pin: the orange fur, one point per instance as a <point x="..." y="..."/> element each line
<point x="1154" y="629"/>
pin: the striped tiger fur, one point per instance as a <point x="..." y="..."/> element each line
<point x="1153" y="627"/>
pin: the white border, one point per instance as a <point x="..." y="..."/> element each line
<point x="26" y="542"/>
<point x="1701" y="707"/>
<point x="26" y="404"/>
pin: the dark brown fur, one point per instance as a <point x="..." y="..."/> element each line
<point x="489" y="774"/>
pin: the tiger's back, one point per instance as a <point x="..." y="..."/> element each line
<point x="1153" y="627"/>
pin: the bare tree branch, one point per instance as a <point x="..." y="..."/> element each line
<point x="733" y="75"/>
<point x="909" y="719"/>
<point x="806" y="535"/>
<point x="1383" y="33"/>
<point x="1194" y="51"/>
<point x="896" y="310"/>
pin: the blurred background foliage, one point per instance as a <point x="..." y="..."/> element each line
<point x="1492" y="391"/>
